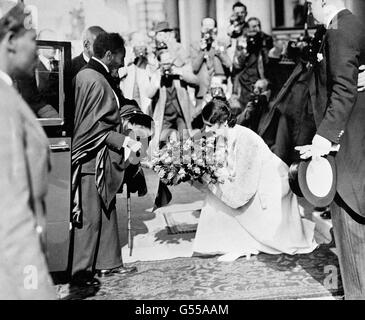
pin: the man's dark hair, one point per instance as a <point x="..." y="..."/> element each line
<point x="105" y="42"/>
<point x="96" y="30"/>
<point x="239" y="5"/>
<point x="219" y="111"/>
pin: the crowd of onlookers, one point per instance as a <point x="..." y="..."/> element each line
<point x="172" y="83"/>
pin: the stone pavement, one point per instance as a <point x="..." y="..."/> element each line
<point x="151" y="241"/>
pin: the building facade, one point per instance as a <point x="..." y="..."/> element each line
<point x="67" y="18"/>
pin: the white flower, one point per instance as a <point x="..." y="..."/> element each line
<point x="170" y="176"/>
<point x="320" y="57"/>
<point x="162" y="173"/>
<point x="168" y="160"/>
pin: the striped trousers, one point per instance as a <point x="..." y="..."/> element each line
<point x="349" y="232"/>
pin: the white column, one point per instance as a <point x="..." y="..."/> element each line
<point x="288" y="13"/>
<point x="221" y="17"/>
<point x="184" y="25"/>
<point x="191" y="12"/>
<point x="172" y="12"/>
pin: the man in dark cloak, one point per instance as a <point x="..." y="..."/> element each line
<point x="98" y="163"/>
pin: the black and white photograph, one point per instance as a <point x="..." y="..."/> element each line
<point x="182" y="150"/>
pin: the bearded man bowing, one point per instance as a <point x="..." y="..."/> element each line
<point x="340" y="116"/>
<point x="98" y="163"/>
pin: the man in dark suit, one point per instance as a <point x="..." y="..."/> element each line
<point x="339" y="114"/>
<point x="88" y="40"/>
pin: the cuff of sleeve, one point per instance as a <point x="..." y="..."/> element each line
<point x="126" y="141"/>
<point x="333" y="135"/>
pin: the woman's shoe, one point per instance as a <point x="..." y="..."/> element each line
<point x="232" y="256"/>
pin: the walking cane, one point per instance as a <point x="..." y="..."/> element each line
<point x="129" y="212"/>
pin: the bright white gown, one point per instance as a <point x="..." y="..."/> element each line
<point x="256" y="212"/>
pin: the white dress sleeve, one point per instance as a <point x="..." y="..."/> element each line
<point x="245" y="170"/>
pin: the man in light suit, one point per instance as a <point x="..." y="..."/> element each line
<point x="24" y="161"/>
<point x="141" y="79"/>
<point x="339" y="114"/>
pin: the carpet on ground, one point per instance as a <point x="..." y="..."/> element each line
<point x="263" y="277"/>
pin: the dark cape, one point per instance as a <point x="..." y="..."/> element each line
<point x="96" y="115"/>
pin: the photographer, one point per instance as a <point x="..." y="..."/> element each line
<point x="250" y="60"/>
<point x="237" y="20"/>
<point x="209" y="59"/>
<point x="141" y="80"/>
<point x="165" y="38"/>
<point x="236" y="30"/>
<point x="259" y="115"/>
<point x="173" y="110"/>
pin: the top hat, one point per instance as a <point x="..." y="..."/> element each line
<point x="132" y="112"/>
<point x="162" y="26"/>
<point x="315" y="180"/>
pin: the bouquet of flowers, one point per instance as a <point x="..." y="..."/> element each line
<point x="191" y="160"/>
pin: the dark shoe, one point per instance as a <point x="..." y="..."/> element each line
<point x="79" y="289"/>
<point x="120" y="270"/>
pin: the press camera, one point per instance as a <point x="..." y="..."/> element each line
<point x="166" y="69"/>
<point x="140" y="51"/>
<point x="237" y="20"/>
<point x="208" y="37"/>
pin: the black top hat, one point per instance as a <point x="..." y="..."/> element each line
<point x="315" y="180"/>
<point x="133" y="113"/>
<point x="162" y="26"/>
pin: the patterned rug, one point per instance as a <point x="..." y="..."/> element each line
<point x="263" y="277"/>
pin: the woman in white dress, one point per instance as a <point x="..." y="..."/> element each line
<point x="254" y="209"/>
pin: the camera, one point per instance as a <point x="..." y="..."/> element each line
<point x="237" y="20"/>
<point x="217" y="92"/>
<point x="255" y="42"/>
<point x="254" y="99"/>
<point x="166" y="69"/>
<point x="257" y="100"/>
<point x="140" y="51"/>
<point x="300" y="48"/>
<point x="160" y="45"/>
<point x="208" y="37"/>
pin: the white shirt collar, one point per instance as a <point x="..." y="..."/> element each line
<point x="86" y="58"/>
<point x="333" y="16"/>
<point x="102" y="63"/>
<point x="107" y="69"/>
<point x="45" y="62"/>
<point x="6" y="78"/>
